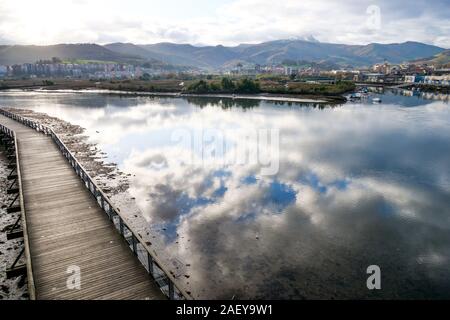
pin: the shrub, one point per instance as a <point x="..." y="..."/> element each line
<point x="200" y="86"/>
<point x="47" y="83"/>
<point x="247" y="86"/>
<point x="227" y="84"/>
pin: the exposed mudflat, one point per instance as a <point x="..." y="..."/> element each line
<point x="16" y="288"/>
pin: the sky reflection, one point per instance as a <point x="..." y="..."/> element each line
<point x="358" y="184"/>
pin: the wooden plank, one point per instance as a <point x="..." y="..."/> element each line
<point x="113" y="284"/>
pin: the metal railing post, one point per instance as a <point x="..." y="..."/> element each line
<point x="134" y="244"/>
<point x="121" y="226"/>
<point x="171" y="290"/>
<point x="150" y="264"/>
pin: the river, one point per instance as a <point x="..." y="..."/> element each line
<point x="331" y="190"/>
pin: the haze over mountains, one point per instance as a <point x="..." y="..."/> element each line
<point x="216" y="57"/>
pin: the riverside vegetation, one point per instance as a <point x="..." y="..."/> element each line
<point x="198" y="85"/>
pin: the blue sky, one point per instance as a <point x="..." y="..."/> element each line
<point x="227" y="22"/>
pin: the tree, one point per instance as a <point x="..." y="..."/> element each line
<point x="199" y="87"/>
<point x="214" y="87"/>
<point x="248" y="86"/>
<point x="227" y="84"/>
<point x="145" y="77"/>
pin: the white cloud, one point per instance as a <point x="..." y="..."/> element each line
<point x="228" y="23"/>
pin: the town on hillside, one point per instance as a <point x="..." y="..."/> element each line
<point x="307" y="72"/>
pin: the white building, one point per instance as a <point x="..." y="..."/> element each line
<point x="410" y="79"/>
<point x="290" y="70"/>
<point x="443" y="80"/>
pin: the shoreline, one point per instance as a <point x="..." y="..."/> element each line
<point x="262" y="96"/>
<point x="427" y="88"/>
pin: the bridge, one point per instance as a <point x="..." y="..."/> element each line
<point x="76" y="243"/>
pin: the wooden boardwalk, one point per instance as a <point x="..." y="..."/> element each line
<point x="67" y="228"/>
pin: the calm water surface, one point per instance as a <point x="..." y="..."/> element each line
<point x="358" y="185"/>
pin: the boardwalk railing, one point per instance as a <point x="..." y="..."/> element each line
<point x="15" y="187"/>
<point x="164" y="278"/>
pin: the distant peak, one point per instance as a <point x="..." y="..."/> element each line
<point x="311" y="38"/>
<point x="308" y="38"/>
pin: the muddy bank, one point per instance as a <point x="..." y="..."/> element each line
<point x="262" y="96"/>
<point x="15" y="288"/>
<point x="170" y="88"/>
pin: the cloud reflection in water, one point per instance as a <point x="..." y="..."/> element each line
<point x="357" y="185"/>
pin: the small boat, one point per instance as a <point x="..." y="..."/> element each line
<point x="376" y="100"/>
<point x="354" y="96"/>
<point x="363" y="90"/>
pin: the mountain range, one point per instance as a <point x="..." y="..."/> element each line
<point x="441" y="59"/>
<point x="217" y="57"/>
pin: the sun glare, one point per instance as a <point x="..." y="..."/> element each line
<point x="43" y="22"/>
